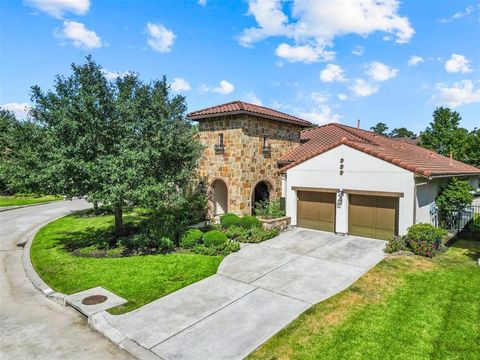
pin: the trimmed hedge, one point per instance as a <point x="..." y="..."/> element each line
<point x="214" y="238"/>
<point x="191" y="238"/>
<point x="228" y="220"/>
<point x="249" y="222"/>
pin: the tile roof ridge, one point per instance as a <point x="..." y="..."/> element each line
<point x="349" y="129"/>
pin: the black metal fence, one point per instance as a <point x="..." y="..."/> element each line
<point x="465" y="223"/>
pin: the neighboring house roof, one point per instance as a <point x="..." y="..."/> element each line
<point x="405" y="155"/>
<point x="241" y="107"/>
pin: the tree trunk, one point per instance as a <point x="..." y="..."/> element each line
<point x="95" y="207"/>
<point x="119" y="227"/>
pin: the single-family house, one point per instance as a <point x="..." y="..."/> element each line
<point x="333" y="177"/>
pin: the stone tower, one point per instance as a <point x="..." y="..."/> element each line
<point x="242" y="143"/>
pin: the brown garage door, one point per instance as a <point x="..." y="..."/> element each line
<point x="316" y="210"/>
<point x="373" y="216"/>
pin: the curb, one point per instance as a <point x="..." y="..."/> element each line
<point x="97" y="321"/>
<point x="32" y="275"/>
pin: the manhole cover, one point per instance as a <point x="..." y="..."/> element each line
<point x="94" y="300"/>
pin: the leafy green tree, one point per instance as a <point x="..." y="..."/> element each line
<point x="455" y="196"/>
<point x="25" y="149"/>
<point x="118" y="143"/>
<point x="472" y="148"/>
<point x="401" y="133"/>
<point x="380" y="129"/>
<point x="444" y="134"/>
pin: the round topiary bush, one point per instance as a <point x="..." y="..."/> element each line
<point x="191" y="238"/>
<point x="248" y="222"/>
<point x="214" y="238"/>
<point x="228" y="220"/>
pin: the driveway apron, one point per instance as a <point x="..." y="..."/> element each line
<point x="255" y="293"/>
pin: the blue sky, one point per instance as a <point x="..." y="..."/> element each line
<point x="322" y="60"/>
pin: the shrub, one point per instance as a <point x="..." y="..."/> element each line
<point x="223" y="249"/>
<point x="234" y="232"/>
<point x="146" y="244"/>
<point x="424" y="239"/>
<point x="398" y="243"/>
<point x="248" y="222"/>
<point x="228" y="220"/>
<point x="214" y="238"/>
<point x="259" y="234"/>
<point x="191" y="238"/>
<point x="269" y="209"/>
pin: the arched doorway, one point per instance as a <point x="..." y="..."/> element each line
<point x="219" y="197"/>
<point x="261" y="194"/>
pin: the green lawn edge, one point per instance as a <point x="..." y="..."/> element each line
<point x="404" y="308"/>
<point x="27" y="200"/>
<point x="138" y="279"/>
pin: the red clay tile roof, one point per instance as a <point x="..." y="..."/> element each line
<point x="405" y="155"/>
<point x="241" y="107"/>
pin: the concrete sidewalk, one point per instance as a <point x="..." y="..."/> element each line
<point x="256" y="292"/>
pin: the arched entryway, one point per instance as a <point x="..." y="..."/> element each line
<point x="219" y="197"/>
<point x="260" y="194"/>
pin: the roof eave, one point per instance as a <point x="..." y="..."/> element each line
<point x="246" y="112"/>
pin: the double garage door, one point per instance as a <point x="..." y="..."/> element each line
<point x="368" y="215"/>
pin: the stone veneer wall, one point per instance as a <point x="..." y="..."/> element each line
<point x="243" y="165"/>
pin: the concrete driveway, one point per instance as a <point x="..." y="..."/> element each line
<point x="32" y="326"/>
<point x="256" y="292"/>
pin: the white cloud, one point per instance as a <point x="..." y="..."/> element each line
<point x="363" y="88"/>
<point x="202" y="2"/>
<point x="320" y="112"/>
<point x="180" y="84"/>
<point x="415" y="60"/>
<point x="380" y="72"/>
<point x="270" y="18"/>
<point x="252" y="98"/>
<point x="314" y="24"/>
<point x="20" y="110"/>
<point x="468" y="10"/>
<point x="113" y="75"/>
<point x="460" y="93"/>
<point x="160" y="38"/>
<point x="79" y="35"/>
<point x="458" y="63"/>
<point x="358" y="50"/>
<point x="342" y="97"/>
<point x="223" y="88"/>
<point x="57" y="8"/>
<point x="331" y="73"/>
<point x="306" y="53"/>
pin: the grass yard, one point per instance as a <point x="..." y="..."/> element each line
<point x="139" y="279"/>
<point x="404" y="308"/>
<point x="27" y="200"/>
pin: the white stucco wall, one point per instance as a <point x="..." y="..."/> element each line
<point x="361" y="172"/>
<point x="427" y="191"/>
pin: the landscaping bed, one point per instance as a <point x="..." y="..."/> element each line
<point x="138" y="279"/>
<point x="27" y="200"/>
<point x="405" y="308"/>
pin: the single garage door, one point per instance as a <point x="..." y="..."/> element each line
<point x="373" y="216"/>
<point x="316" y="210"/>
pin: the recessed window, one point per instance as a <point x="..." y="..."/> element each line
<point x="265" y="141"/>
<point x="220" y="146"/>
<point x="267" y="150"/>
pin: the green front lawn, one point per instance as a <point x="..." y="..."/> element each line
<point x="139" y="279"/>
<point x="404" y="308"/>
<point x="27" y="200"/>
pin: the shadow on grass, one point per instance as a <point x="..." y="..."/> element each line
<point x="471" y="248"/>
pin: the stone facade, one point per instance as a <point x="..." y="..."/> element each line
<point x="243" y="164"/>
